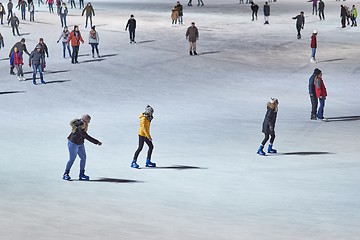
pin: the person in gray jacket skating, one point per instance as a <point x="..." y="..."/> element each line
<point x="14" y="24"/>
<point x="36" y="62"/>
<point x="94" y="41"/>
<point x="64" y="37"/>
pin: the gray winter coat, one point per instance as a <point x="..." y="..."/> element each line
<point x="14" y="21"/>
<point x="36" y="58"/>
<point x="94" y="40"/>
<point x="192" y="33"/>
<point x="64" y="36"/>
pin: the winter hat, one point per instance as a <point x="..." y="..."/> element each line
<point x="317" y="71"/>
<point x="22" y="40"/>
<point x="149" y="110"/>
<point x="273" y="100"/>
<point x="93" y="27"/>
<point x="315" y="31"/>
<point x="132" y="15"/>
<point x="38" y="46"/>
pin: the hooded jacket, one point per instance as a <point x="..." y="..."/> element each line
<point x="312" y="91"/>
<point x="79" y="134"/>
<point x="144" y="130"/>
<point x="270" y="119"/>
<point x="320" y="88"/>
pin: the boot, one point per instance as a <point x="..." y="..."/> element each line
<point x="134" y="164"/>
<point x="66" y="176"/>
<point x="191" y="53"/>
<point x="149" y="163"/>
<point x="195" y="53"/>
<point x="271" y="150"/>
<point x="260" y="150"/>
<point x="82" y="176"/>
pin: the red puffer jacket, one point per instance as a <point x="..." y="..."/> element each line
<point x="75" y="39"/>
<point x="320" y="88"/>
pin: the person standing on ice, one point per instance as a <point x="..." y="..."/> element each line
<point x="63" y="12"/>
<point x="89" y="13"/>
<point x="192" y="34"/>
<point x="10" y="6"/>
<point x="179" y="8"/>
<point x="300" y="22"/>
<point x="16" y="61"/>
<point x="312" y="93"/>
<point x="343" y="15"/>
<point x="76" y="146"/>
<point x="64" y="37"/>
<point x="255" y="9"/>
<point x="44" y="51"/>
<point x="354" y="14"/>
<point x="22" y="6"/>
<point x="94" y="41"/>
<point x="266" y="12"/>
<point x="81" y="4"/>
<point x="174" y="16"/>
<point x="72" y="4"/>
<point x="268" y="127"/>
<point x="313" y="46"/>
<point x="2" y="13"/>
<point x="36" y="61"/>
<point x="131" y="25"/>
<point x="51" y="5"/>
<point x="22" y="49"/>
<point x="314" y="4"/>
<point x="75" y="39"/>
<point x="144" y="136"/>
<point x="1" y="41"/>
<point x="14" y="20"/>
<point x="321" y="10"/>
<point x="321" y="94"/>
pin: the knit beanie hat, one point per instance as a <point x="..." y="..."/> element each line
<point x="316" y="71"/>
<point x="149" y="110"/>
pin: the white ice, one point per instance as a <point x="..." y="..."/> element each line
<point x="208" y="114"/>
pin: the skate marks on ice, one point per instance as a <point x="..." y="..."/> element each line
<point x="332" y="60"/>
<point x="342" y="119"/>
<point x="11" y="92"/>
<point x="109" y="180"/>
<point x="176" y="167"/>
<point x="303" y="153"/>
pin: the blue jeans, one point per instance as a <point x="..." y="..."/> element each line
<point x="313" y="52"/>
<point x="320" y="113"/>
<point x="64" y="48"/>
<point x="75" y="150"/>
<point x="51" y="8"/>
<point x="35" y="69"/>
<point x="63" y="20"/>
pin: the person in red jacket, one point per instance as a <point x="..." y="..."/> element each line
<point x="321" y="94"/>
<point x="313" y="46"/>
<point x="16" y="60"/>
<point x="75" y="39"/>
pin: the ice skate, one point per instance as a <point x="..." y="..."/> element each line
<point x="83" y="177"/>
<point x="134" y="164"/>
<point x="260" y="151"/>
<point x="271" y="150"/>
<point x="19" y="78"/>
<point x="66" y="177"/>
<point x="191" y="53"/>
<point x="195" y="53"/>
<point x="149" y="163"/>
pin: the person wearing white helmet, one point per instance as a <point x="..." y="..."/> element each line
<point x="268" y="127"/>
<point x="313" y="46"/>
<point x="144" y="136"/>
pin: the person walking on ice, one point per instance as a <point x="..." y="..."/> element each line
<point x="64" y="37"/>
<point x="268" y="127"/>
<point x="321" y="94"/>
<point x="89" y="13"/>
<point x="312" y="93"/>
<point x="144" y="136"/>
<point x="300" y="22"/>
<point x="313" y="46"/>
<point x="36" y="61"/>
<point x="76" y="146"/>
<point x="131" y="24"/>
<point x="94" y="41"/>
<point x="192" y="34"/>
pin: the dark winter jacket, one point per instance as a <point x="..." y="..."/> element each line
<point x="78" y="133"/>
<point x="21" y="46"/>
<point x="2" y="10"/>
<point x="313" y="43"/>
<point x="254" y="7"/>
<point x="266" y="10"/>
<point x="63" y="11"/>
<point x="14" y="21"/>
<point x="312" y="91"/>
<point x="36" y="58"/>
<point x="10" y="6"/>
<point x="44" y="49"/>
<point x="321" y="6"/>
<point x="131" y="24"/>
<point x="89" y="11"/>
<point x="300" y="20"/>
<point x="22" y="5"/>
<point x="179" y="8"/>
<point x="269" y="120"/>
<point x="192" y="33"/>
<point x="1" y="41"/>
<point x="343" y="12"/>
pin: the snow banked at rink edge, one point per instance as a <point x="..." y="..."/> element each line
<point x="208" y="114"/>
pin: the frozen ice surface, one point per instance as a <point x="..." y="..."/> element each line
<point x="208" y="115"/>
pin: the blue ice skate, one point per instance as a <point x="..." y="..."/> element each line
<point x="66" y="177"/>
<point x="271" y="150"/>
<point x="134" y="164"/>
<point x="260" y="151"/>
<point x="149" y="163"/>
<point x="83" y="177"/>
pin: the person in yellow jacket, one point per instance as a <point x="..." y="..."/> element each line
<point x="144" y="136"/>
<point x="354" y="14"/>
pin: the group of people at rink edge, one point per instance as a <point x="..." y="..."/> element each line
<point x="317" y="89"/>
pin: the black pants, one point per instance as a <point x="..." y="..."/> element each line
<point x="75" y="54"/>
<point x="81" y="2"/>
<point x="321" y="14"/>
<point x="298" y="28"/>
<point x="254" y="13"/>
<point x="343" y="21"/>
<point x="10" y="14"/>
<point x="314" y="9"/>
<point x="141" y="145"/>
<point x="94" y="46"/>
<point x="314" y="104"/>
<point x="266" y="138"/>
<point x="132" y="35"/>
<point x="17" y="30"/>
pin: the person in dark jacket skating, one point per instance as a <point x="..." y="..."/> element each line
<point x="2" y="13"/>
<point x="312" y="93"/>
<point x="266" y="12"/>
<point x="131" y="25"/>
<point x="321" y="10"/>
<point x="36" y="62"/>
<point x="44" y="51"/>
<point x="76" y="146"/>
<point x="10" y="6"/>
<point x="89" y="13"/>
<point x="300" y="22"/>
<point x="14" y="21"/>
<point x="268" y="127"/>
<point x="192" y="34"/>
<point x="255" y="9"/>
<point x="343" y="16"/>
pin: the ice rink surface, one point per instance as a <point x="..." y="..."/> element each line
<point x="210" y="183"/>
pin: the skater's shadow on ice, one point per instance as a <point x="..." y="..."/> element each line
<point x="305" y="153"/>
<point x="332" y="60"/>
<point x="109" y="55"/>
<point x="83" y="55"/>
<point x="114" y="180"/>
<point x="211" y="52"/>
<point x="146" y="41"/>
<point x="178" y="167"/>
<point x="93" y="60"/>
<point x="343" y="119"/>
<point x="11" y="92"/>
<point x="57" y="71"/>
<point x="4" y="59"/>
<point x="24" y="34"/>
<point x="57" y="81"/>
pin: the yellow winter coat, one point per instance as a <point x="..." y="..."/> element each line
<point x="144" y="130"/>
